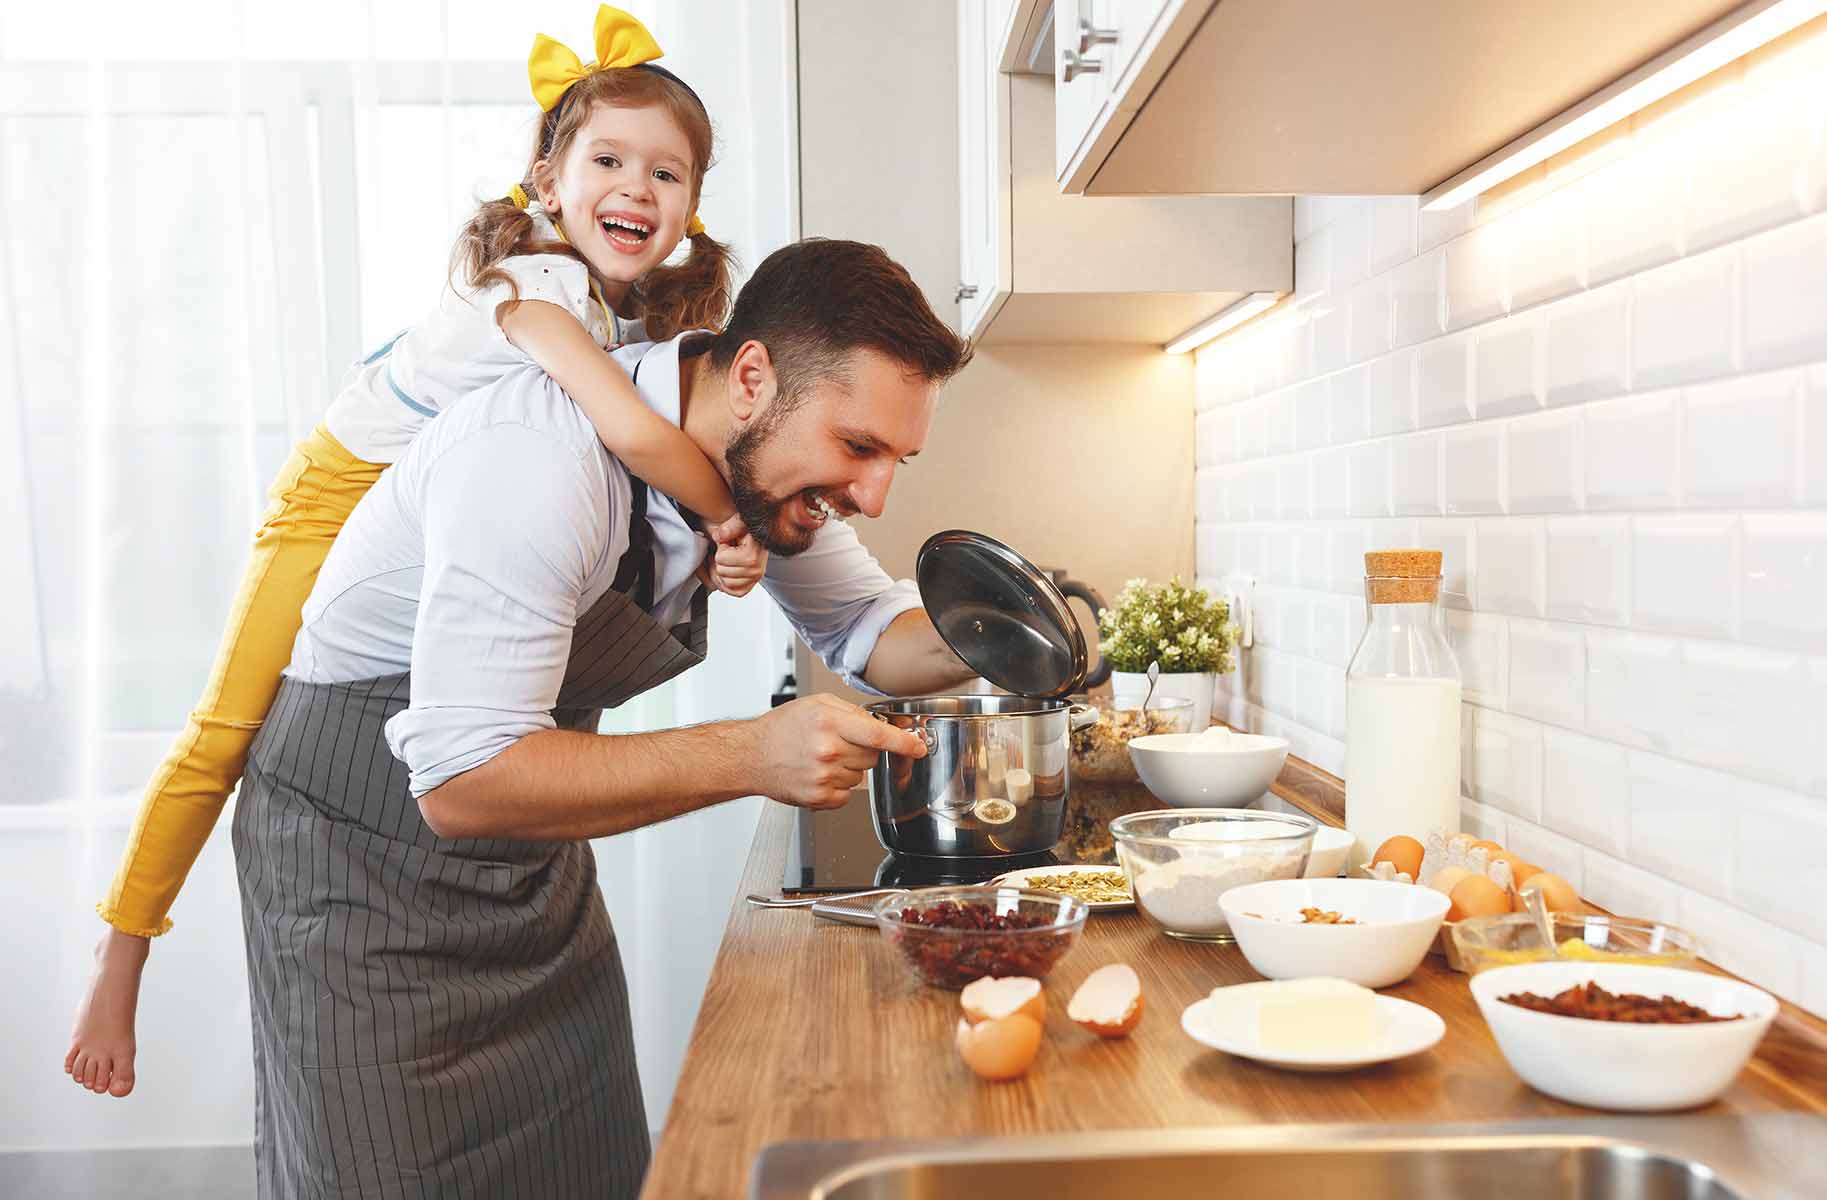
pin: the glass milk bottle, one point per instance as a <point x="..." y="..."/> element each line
<point x="1401" y="707"/>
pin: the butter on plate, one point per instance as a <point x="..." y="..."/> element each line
<point x="1318" y="1016"/>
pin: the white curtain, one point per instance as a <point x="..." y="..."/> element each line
<point x="211" y="207"/>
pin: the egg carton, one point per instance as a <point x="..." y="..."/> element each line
<point x="1440" y="851"/>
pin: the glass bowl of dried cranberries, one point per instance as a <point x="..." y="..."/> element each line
<point x="949" y="936"/>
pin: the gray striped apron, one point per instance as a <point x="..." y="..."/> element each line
<point x="436" y="1017"/>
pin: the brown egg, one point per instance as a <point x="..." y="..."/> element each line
<point x="1489" y="846"/>
<point x="1447" y="878"/>
<point x="1476" y="896"/>
<point x="1401" y="852"/>
<point x="991" y="999"/>
<point x="999" y="1049"/>
<point x="1523" y="871"/>
<point x="1557" y="891"/>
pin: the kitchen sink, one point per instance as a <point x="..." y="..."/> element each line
<point x="1768" y="1157"/>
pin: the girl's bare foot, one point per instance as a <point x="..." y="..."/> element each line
<point x="101" y="1045"/>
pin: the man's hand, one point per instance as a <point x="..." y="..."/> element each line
<point x="814" y="750"/>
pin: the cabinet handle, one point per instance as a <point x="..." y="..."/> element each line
<point x="1089" y="36"/>
<point x="1073" y="66"/>
<point x="966" y="291"/>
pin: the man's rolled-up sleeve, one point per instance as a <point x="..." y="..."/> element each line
<point x="514" y="520"/>
<point x="838" y="598"/>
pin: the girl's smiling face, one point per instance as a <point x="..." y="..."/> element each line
<point x="622" y="191"/>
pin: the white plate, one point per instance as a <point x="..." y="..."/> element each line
<point x="1226" y="1020"/>
<point x="1020" y="879"/>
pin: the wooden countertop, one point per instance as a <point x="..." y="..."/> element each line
<point x="815" y="1030"/>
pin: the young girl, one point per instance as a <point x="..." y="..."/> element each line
<point x="546" y="275"/>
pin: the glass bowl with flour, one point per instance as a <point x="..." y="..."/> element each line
<point x="1181" y="860"/>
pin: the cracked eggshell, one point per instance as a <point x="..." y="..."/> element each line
<point x="1109" y="1002"/>
<point x="999" y="1049"/>
<point x="990" y="999"/>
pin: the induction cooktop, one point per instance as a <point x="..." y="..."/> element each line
<point x="836" y="850"/>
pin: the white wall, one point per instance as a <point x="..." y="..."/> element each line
<point x="1603" y="394"/>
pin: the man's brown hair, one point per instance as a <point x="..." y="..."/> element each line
<point x="816" y="302"/>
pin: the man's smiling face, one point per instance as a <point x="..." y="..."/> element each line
<point x="831" y="451"/>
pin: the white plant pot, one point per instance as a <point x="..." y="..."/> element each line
<point x="1130" y="687"/>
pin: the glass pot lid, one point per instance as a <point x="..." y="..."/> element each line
<point x="1001" y="614"/>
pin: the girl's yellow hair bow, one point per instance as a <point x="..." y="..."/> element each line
<point x="621" y="41"/>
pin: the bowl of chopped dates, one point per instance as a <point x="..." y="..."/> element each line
<point x="949" y="936"/>
<point x="1622" y="1035"/>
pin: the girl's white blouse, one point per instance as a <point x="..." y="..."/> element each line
<point x="457" y="348"/>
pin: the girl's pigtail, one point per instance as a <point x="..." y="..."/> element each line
<point x="500" y="229"/>
<point x="696" y="294"/>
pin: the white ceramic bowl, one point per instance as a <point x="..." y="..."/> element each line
<point x="1607" y="1064"/>
<point x="1396" y="925"/>
<point x="1217" y="769"/>
<point x="1331" y="846"/>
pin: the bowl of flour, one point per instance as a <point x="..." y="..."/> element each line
<point x="1181" y="861"/>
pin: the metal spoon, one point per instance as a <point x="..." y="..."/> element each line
<point x="1154" y="677"/>
<point x="817" y="898"/>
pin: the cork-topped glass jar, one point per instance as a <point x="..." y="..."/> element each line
<point x="1401" y="707"/>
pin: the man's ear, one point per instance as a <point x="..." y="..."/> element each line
<point x="752" y="382"/>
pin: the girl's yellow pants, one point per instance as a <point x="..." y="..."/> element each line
<point x="310" y="501"/>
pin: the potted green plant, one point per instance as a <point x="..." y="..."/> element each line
<point x="1185" y="629"/>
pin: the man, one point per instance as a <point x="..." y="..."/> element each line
<point x="439" y="1006"/>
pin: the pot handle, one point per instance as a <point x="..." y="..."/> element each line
<point x="1081" y="715"/>
<point x="1072" y="587"/>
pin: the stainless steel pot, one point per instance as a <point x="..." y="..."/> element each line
<point x="993" y="782"/>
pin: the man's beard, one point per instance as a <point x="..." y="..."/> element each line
<point x="759" y="511"/>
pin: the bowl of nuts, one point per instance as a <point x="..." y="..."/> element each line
<point x="949" y="936"/>
<point x="1100" y="749"/>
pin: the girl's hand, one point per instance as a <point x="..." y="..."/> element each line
<point x="737" y="567"/>
<point x="727" y="532"/>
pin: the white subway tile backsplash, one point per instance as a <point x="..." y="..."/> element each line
<point x="1472" y="469"/>
<point x="1589" y="567"/>
<point x="1482" y="645"/>
<point x="1602" y="395"/>
<point x="1784" y="580"/>
<point x="1542" y="463"/>
<point x="1587" y="350"/>
<point x="1454" y="538"/>
<point x="1349" y="403"/>
<point x="1776" y="865"/>
<point x="1740" y="942"/>
<point x="1393" y="226"/>
<point x="1621" y="888"/>
<point x="1370" y="319"/>
<point x="1546" y="849"/>
<point x="1813" y="439"/>
<point x="1443" y="391"/>
<point x="1740" y="441"/>
<point x="1369" y="464"/>
<point x="1312" y="415"/>
<point x="1475" y="289"/>
<point x="1414" y="299"/>
<point x="1633" y="452"/>
<point x="1506" y="763"/>
<point x="1392" y="393"/>
<point x="1746" y="711"/>
<point x="1512" y="557"/>
<point x="1633" y="689"/>
<point x="1481" y="820"/>
<point x="1681" y="821"/>
<point x="1631" y="223"/>
<point x="1506" y="367"/>
<point x="1331" y="333"/>
<point x="1785" y="295"/>
<point x="1414" y="479"/>
<point x="1546" y="669"/>
<point x="1331" y="484"/>
<point x="1685" y="573"/>
<point x="1548" y="249"/>
<point x="1586" y="791"/>
<point x="1681" y="320"/>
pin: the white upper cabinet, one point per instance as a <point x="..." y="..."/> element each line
<point x="1039" y="266"/>
<point x="1323" y="97"/>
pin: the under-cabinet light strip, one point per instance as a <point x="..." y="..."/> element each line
<point x="1731" y="37"/>
<point x="1216" y="327"/>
